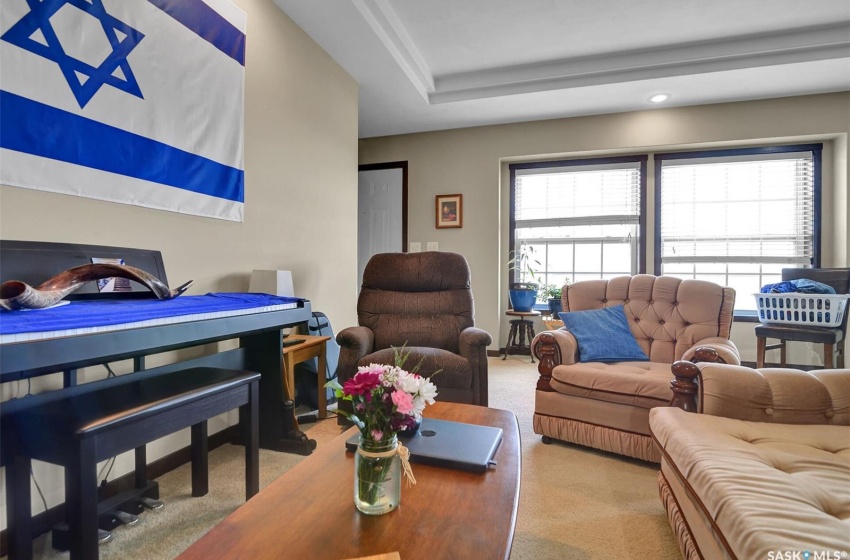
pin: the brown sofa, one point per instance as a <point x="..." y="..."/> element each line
<point x="606" y="405"/>
<point x="423" y="301"/>
<point x="764" y="469"/>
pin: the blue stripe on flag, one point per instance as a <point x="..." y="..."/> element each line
<point x="207" y="24"/>
<point x="38" y="129"/>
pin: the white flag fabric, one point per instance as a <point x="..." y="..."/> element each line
<point x="131" y="101"/>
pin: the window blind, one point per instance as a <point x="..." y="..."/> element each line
<point x="576" y="196"/>
<point x="581" y="219"/>
<point x="747" y="209"/>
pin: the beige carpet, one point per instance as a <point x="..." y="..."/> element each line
<point x="575" y="503"/>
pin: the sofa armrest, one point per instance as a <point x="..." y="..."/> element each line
<point x="354" y="343"/>
<point x="472" y="339"/>
<point x="565" y="349"/>
<point x="685" y="383"/>
<point x="553" y="348"/>
<point x="724" y="348"/>
<point x="473" y="343"/>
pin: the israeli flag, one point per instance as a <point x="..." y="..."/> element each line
<point x="131" y="101"/>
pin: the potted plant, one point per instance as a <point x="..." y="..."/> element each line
<point x="552" y="293"/>
<point x="524" y="265"/>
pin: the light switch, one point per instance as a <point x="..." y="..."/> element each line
<point x="415" y="247"/>
<point x="432" y="246"/>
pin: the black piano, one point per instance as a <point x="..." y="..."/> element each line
<point x="24" y="356"/>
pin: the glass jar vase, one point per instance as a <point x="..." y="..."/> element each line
<point x="377" y="476"/>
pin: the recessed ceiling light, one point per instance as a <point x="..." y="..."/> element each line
<point x="659" y="97"/>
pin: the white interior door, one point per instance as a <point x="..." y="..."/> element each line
<point x="380" y="215"/>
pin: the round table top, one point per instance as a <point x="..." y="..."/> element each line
<point x="522" y="313"/>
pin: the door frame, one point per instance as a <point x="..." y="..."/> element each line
<point x="395" y="165"/>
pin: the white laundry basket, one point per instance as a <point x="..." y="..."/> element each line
<point x="816" y="310"/>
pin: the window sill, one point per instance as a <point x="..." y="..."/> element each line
<point x="746" y="317"/>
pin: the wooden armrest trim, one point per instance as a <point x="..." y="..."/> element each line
<point x="547" y="350"/>
<point x="685" y="384"/>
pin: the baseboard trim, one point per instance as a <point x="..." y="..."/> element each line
<point x="44" y="521"/>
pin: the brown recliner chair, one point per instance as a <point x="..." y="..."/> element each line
<point x="606" y="405"/>
<point x="422" y="301"/>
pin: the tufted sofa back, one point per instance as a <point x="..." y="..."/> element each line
<point x="418" y="299"/>
<point x="667" y="315"/>
<point x="778" y="395"/>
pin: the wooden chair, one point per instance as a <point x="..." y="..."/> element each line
<point x="831" y="338"/>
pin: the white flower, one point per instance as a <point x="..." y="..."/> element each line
<point x="407" y="382"/>
<point x="418" y="406"/>
<point x="427" y="390"/>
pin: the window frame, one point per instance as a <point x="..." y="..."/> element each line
<point x="640" y="159"/>
<point x="817" y="163"/>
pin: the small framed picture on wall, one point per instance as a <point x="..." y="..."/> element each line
<point x="449" y="211"/>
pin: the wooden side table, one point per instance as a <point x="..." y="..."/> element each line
<point x="520" y="328"/>
<point x="312" y="347"/>
<point x="553" y="324"/>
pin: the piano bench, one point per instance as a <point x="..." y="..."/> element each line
<point x="80" y="430"/>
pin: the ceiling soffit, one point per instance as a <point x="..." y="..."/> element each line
<point x="823" y="42"/>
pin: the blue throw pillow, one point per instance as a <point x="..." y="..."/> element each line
<point x="603" y="335"/>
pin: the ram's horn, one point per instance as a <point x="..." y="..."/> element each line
<point x="15" y="294"/>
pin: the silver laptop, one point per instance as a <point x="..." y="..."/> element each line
<point x="449" y="444"/>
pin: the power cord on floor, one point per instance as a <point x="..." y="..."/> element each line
<point x="32" y="473"/>
<point x="37" y="487"/>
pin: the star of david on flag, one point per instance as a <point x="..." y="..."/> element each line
<point x="132" y="101"/>
<point x="35" y="33"/>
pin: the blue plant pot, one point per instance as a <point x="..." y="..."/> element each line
<point x="522" y="299"/>
<point x="555" y="307"/>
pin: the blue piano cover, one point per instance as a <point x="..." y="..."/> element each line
<point x="82" y="314"/>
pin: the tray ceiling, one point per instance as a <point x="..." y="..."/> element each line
<point x="444" y="64"/>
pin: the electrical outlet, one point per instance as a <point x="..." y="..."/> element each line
<point x="415" y="247"/>
<point x="433" y="246"/>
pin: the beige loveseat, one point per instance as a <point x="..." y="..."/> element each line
<point x="764" y="470"/>
<point x="606" y="405"/>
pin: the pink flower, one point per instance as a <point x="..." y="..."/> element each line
<point x="403" y="402"/>
<point x="362" y="384"/>
<point x="377" y="435"/>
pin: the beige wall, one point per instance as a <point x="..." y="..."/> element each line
<point x="473" y="162"/>
<point x="300" y="173"/>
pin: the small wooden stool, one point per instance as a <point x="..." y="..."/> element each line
<point x="524" y="328"/>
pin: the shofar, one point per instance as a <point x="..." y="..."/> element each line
<point x="15" y="294"/>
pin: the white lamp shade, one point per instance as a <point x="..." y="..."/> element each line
<point x="275" y="282"/>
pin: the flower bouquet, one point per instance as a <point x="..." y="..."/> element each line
<point x="385" y="400"/>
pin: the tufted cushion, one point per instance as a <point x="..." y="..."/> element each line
<point x="667" y="315"/>
<point x="641" y="384"/>
<point x="767" y="487"/>
<point x="418" y="299"/>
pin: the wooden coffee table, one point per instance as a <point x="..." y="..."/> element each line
<point x="309" y="511"/>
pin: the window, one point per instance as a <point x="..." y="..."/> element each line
<point x="737" y="217"/>
<point x="581" y="218"/>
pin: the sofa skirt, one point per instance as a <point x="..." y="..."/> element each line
<point x="629" y="444"/>
<point x="677" y="521"/>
